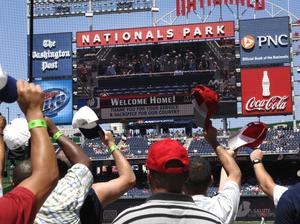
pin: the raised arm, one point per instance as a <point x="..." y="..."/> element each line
<point x="223" y="174"/>
<point x="2" y="148"/>
<point x="228" y="163"/>
<point x="109" y="191"/>
<point x="264" y="179"/>
<point x="72" y="151"/>
<point x="44" y="167"/>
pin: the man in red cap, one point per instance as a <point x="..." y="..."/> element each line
<point x="168" y="166"/>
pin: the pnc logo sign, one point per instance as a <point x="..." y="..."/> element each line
<point x="248" y="42"/>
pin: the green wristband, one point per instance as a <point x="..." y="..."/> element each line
<point x="113" y="148"/>
<point x="56" y="136"/>
<point x="37" y="123"/>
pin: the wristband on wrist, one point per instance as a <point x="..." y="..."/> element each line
<point x="37" y="123"/>
<point x="256" y="161"/>
<point x="56" y="136"/>
<point x="113" y="148"/>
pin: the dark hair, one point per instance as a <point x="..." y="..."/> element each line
<point x="62" y="168"/>
<point x="22" y="171"/>
<point x="199" y="175"/>
<point x="172" y="182"/>
<point x="63" y="163"/>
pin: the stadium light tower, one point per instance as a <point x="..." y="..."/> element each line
<point x="65" y="8"/>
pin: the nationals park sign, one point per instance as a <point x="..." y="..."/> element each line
<point x="203" y="31"/>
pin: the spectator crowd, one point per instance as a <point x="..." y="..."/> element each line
<point x="158" y="59"/>
<point x="58" y="186"/>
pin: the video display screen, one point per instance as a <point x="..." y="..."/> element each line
<point x="122" y="76"/>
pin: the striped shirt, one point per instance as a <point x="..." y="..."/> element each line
<point x="63" y="204"/>
<point x="167" y="208"/>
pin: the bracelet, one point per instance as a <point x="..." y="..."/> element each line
<point x="256" y="161"/>
<point x="113" y="148"/>
<point x="56" y="136"/>
<point x="37" y="123"/>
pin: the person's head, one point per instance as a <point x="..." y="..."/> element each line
<point x="200" y="176"/>
<point x="22" y="171"/>
<point x="167" y="165"/>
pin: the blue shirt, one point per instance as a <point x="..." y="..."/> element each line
<point x="288" y="208"/>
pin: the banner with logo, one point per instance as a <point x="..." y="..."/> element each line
<point x="58" y="103"/>
<point x="148" y="105"/>
<point x="264" y="41"/>
<point x="157" y="34"/>
<point x="251" y="208"/>
<point x="114" y="108"/>
<point x="52" y="55"/>
<point x="266" y="91"/>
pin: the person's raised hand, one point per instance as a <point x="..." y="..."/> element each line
<point x="210" y="135"/>
<point x="52" y="128"/>
<point x="232" y="153"/>
<point x="256" y="154"/>
<point x="107" y="138"/>
<point x="30" y="98"/>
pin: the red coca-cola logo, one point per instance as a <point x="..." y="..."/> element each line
<point x="272" y="104"/>
<point x="266" y="91"/>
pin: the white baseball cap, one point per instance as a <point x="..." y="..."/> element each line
<point x="16" y="134"/>
<point x="252" y="135"/>
<point x="86" y="120"/>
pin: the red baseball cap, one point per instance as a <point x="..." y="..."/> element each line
<point x="163" y="151"/>
<point x="205" y="102"/>
<point x="252" y="135"/>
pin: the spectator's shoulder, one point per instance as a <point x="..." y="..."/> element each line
<point x="79" y="172"/>
<point x="128" y="213"/>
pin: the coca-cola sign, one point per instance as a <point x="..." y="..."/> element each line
<point x="266" y="91"/>
<point x="272" y="104"/>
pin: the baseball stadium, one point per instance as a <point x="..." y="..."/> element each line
<point x="137" y="64"/>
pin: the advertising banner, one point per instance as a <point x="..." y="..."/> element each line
<point x="52" y="55"/>
<point x="58" y="100"/>
<point x="152" y="105"/>
<point x="264" y="41"/>
<point x="157" y="34"/>
<point x="149" y="106"/>
<point x="250" y="208"/>
<point x="266" y="91"/>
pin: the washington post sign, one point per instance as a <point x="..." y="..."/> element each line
<point x="52" y="55"/>
<point x="264" y="41"/>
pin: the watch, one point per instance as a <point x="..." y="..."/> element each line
<point x="255" y="161"/>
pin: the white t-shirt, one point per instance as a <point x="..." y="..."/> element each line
<point x="278" y="191"/>
<point x="224" y="205"/>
